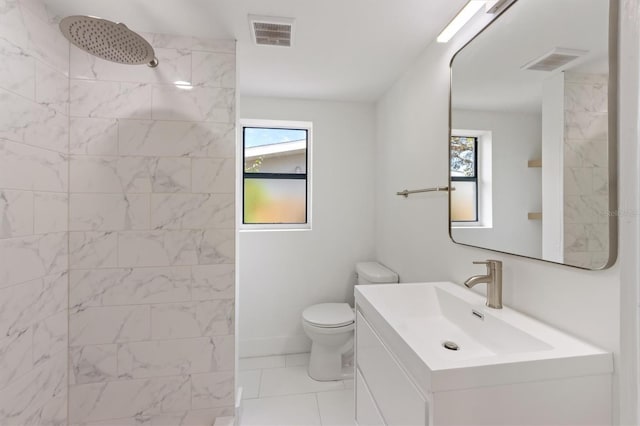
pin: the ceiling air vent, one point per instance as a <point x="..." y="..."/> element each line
<point x="271" y="31"/>
<point x="554" y="59"/>
<point x="496" y="6"/>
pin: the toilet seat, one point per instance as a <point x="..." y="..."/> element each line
<point x="329" y="315"/>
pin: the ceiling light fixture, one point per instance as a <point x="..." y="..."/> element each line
<point x="472" y="7"/>
<point x="493" y="3"/>
<point x="184" y="85"/>
<point x="497" y="6"/>
<point x="467" y="12"/>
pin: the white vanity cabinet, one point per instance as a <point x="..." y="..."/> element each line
<point x="402" y="378"/>
<point x="384" y="391"/>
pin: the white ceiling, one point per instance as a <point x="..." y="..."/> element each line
<point x="486" y="73"/>
<point x="343" y="49"/>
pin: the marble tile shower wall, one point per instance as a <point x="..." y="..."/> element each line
<point x="586" y="177"/>
<point x="34" y="95"/>
<point x="152" y="236"/>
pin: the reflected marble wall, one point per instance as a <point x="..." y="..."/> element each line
<point x="586" y="229"/>
<point x="34" y="129"/>
<point x="152" y="236"/>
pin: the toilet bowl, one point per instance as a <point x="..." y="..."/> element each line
<point x="330" y="326"/>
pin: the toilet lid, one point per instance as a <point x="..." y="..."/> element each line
<point x="329" y="315"/>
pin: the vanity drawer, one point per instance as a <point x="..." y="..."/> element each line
<point x="367" y="413"/>
<point x="398" y="399"/>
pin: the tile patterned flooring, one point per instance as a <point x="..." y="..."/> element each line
<point x="277" y="391"/>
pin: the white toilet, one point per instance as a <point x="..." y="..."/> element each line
<point x="330" y="326"/>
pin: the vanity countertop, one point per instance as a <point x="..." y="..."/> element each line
<point x="495" y="346"/>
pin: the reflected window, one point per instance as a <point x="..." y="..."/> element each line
<point x="275" y="182"/>
<point x="464" y="178"/>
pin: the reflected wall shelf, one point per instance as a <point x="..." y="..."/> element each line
<point x="531" y="164"/>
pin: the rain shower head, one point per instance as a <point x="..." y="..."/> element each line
<point x="108" y="40"/>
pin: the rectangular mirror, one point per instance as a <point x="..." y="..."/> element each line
<point x="533" y="134"/>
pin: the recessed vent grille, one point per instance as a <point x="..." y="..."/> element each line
<point x="271" y="31"/>
<point x="554" y="59"/>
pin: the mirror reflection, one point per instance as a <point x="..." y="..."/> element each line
<point x="530" y="153"/>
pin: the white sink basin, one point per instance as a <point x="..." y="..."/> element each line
<point x="496" y="346"/>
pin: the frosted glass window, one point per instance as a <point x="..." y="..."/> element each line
<point x="275" y="201"/>
<point x="463" y="202"/>
<point x="275" y="175"/>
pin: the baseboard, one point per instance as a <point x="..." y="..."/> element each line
<point x="238" y="407"/>
<point x="225" y="421"/>
<point x="274" y="346"/>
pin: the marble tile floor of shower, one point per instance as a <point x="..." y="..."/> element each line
<point x="276" y="390"/>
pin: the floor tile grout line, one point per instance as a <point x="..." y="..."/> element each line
<point x="260" y="384"/>
<point x="299" y="393"/>
<point x="316" y="396"/>
<point x="318" y="408"/>
<point x="342" y="387"/>
<point x="307" y="392"/>
<point x="273" y="367"/>
<point x="263" y="368"/>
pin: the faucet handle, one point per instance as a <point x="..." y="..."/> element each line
<point x="492" y="265"/>
<point x="487" y="262"/>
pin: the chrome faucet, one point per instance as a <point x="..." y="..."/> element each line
<point x="493" y="279"/>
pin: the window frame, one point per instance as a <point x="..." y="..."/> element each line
<point x="485" y="178"/>
<point x="473" y="179"/>
<point x="307" y="176"/>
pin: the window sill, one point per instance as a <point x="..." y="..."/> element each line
<point x="471" y="226"/>
<point x="274" y="227"/>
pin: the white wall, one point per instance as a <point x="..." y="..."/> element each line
<point x="516" y="188"/>
<point x="629" y="200"/>
<point x="283" y="272"/>
<point x="553" y="171"/>
<point x="412" y="234"/>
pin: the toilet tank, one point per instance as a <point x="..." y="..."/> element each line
<point x="375" y="273"/>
